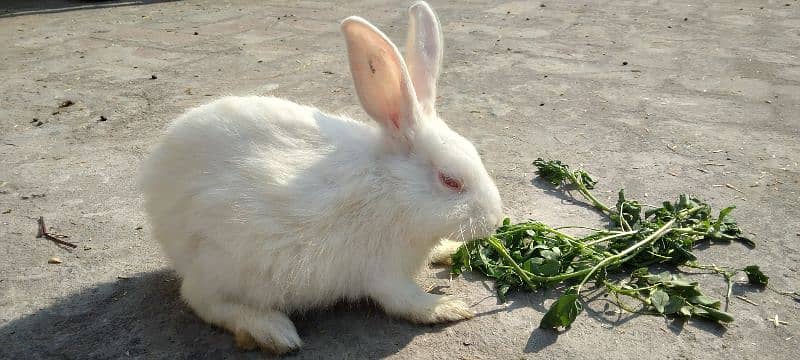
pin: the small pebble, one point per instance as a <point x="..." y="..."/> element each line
<point x="54" y="260"/>
<point x="624" y="63"/>
<point x="196" y="33"/>
<point x="66" y="103"/>
<point x="103" y="118"/>
<point x="153" y="77"/>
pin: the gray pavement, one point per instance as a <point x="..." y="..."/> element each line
<point x="659" y="97"/>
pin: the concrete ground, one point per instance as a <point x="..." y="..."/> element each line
<point x="659" y="97"/>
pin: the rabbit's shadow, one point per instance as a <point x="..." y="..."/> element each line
<point x="144" y="317"/>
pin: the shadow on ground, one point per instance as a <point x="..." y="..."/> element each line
<point x="143" y="317"/>
<point x="10" y="8"/>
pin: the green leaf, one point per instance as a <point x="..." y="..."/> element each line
<point x="722" y="215"/>
<point x="562" y="313"/>
<point x="681" y="283"/>
<point x="713" y="314"/>
<point x="552" y="170"/>
<point x="460" y="261"/>
<point x="640" y="272"/>
<point x="546" y="267"/>
<point x="659" y="300"/>
<point x="630" y="210"/>
<point x="502" y="290"/>
<point x="675" y="304"/>
<point x="704" y="300"/>
<point x="755" y="276"/>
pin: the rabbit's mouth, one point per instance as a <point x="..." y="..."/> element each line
<point x="474" y="228"/>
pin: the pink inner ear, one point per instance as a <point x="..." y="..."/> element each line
<point x="379" y="75"/>
<point x="395" y="118"/>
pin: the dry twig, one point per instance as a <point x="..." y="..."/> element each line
<point x="42" y="233"/>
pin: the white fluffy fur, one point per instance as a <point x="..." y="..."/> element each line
<point x="266" y="207"/>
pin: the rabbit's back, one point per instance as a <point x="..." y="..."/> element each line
<point x="231" y="182"/>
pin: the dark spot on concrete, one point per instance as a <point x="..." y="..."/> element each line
<point x="102" y="118"/>
<point x="153" y="77"/>
<point x="624" y="63"/>
<point x="66" y="103"/>
<point x="196" y="33"/>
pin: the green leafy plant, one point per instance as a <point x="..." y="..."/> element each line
<point x="532" y="255"/>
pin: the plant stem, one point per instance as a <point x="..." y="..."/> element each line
<point x="559" y="233"/>
<point x="502" y="251"/>
<point x="632" y="293"/>
<point x="585" y="192"/>
<point x="654" y="236"/>
<point x="622" y="234"/>
<point x="526" y="276"/>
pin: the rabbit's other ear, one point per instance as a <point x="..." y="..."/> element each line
<point x="424" y="54"/>
<point x="381" y="79"/>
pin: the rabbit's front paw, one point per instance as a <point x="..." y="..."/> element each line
<point x="273" y="332"/>
<point x="445" y="309"/>
<point x="403" y="298"/>
<point x="442" y="254"/>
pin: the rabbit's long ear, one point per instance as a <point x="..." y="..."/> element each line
<point x="381" y="79"/>
<point x="424" y="54"/>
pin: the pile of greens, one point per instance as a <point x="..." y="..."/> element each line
<point x="532" y="255"/>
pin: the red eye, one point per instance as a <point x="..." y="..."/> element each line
<point x="451" y="183"/>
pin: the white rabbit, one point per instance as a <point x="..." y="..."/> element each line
<point x="266" y="207"/>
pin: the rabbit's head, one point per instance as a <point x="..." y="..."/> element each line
<point x="434" y="172"/>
